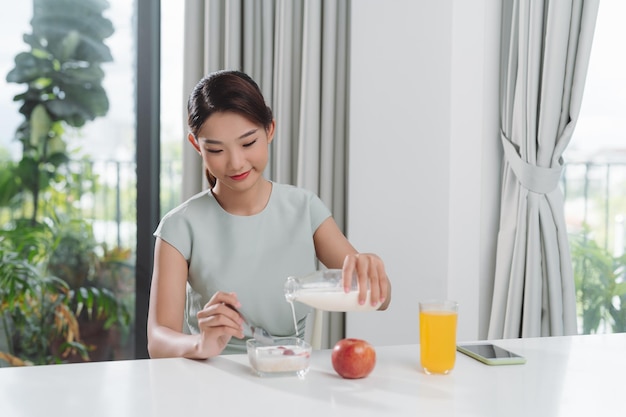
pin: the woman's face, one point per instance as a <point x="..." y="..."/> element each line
<point x="234" y="149"/>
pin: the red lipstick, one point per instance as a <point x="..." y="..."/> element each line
<point x="240" y="177"/>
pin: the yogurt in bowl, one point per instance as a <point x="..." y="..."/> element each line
<point x="285" y="356"/>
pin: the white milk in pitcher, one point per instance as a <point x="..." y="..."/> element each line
<point x="336" y="301"/>
<point x="323" y="290"/>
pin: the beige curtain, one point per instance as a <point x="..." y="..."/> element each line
<point x="297" y="51"/>
<point x="546" y="49"/>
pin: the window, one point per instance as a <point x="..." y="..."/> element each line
<point x="80" y="213"/>
<point x="594" y="182"/>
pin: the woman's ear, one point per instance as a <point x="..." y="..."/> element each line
<point x="271" y="130"/>
<point x="192" y="139"/>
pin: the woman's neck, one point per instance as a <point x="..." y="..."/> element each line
<point x="244" y="203"/>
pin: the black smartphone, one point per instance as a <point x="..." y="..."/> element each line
<point x="491" y="354"/>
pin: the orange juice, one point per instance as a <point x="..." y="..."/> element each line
<point x="438" y="340"/>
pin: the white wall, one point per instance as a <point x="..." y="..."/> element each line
<point x="424" y="157"/>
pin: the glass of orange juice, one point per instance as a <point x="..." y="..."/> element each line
<point x="438" y="335"/>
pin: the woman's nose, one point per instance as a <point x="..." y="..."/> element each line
<point x="236" y="160"/>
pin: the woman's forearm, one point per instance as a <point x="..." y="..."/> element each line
<point x="164" y="342"/>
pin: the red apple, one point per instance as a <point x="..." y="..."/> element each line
<point x="353" y="358"/>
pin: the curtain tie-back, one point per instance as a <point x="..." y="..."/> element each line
<point x="537" y="179"/>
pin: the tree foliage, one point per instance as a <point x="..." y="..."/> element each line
<point x="63" y="76"/>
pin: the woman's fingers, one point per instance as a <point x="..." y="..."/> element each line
<point x="221" y="297"/>
<point x="370" y="274"/>
<point x="383" y="282"/>
<point x="220" y="313"/>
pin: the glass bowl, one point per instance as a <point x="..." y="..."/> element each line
<point x="286" y="356"/>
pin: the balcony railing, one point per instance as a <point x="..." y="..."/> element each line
<point x="595" y="200"/>
<point x="105" y="193"/>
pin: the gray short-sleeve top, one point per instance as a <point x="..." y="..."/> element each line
<point x="249" y="255"/>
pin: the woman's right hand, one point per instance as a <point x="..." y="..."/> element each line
<point x="218" y="322"/>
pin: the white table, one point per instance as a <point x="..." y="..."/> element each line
<point x="564" y="376"/>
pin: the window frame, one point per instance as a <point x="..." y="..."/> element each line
<point x="148" y="159"/>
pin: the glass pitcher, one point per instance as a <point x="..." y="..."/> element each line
<point x="324" y="290"/>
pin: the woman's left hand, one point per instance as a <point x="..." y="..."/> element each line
<point x="368" y="268"/>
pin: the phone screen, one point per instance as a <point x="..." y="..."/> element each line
<point x="490" y="351"/>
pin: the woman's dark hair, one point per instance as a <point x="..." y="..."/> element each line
<point x="222" y="91"/>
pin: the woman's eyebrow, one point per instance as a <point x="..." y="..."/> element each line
<point x="248" y="133"/>
<point x="218" y="142"/>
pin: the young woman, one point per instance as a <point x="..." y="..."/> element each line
<point x="233" y="246"/>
